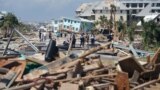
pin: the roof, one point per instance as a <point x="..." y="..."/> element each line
<point x="148" y="18"/>
<point x="145" y="11"/>
<point x="89" y="10"/>
<point x="86" y="9"/>
<point x="83" y="6"/>
<point x="78" y="19"/>
<point x="86" y="20"/>
<point x="107" y="4"/>
<point x="74" y="19"/>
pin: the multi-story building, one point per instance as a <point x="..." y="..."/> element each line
<point x="72" y="24"/>
<point x="94" y="10"/>
<point x="126" y="9"/>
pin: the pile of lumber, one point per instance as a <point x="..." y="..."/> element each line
<point x="82" y="73"/>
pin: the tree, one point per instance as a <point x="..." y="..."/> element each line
<point x="113" y="19"/>
<point x="121" y="27"/>
<point x="8" y="22"/>
<point x="131" y="31"/>
<point x="150" y="34"/>
<point x="103" y="22"/>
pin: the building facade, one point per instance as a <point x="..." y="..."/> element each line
<point x="70" y="24"/>
<point x="126" y="9"/>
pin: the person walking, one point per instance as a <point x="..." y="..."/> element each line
<point x="92" y="39"/>
<point x="74" y="41"/>
<point x="50" y="35"/>
<point x="87" y="40"/>
<point x="82" y="40"/>
<point x="44" y="36"/>
<point x="40" y="35"/>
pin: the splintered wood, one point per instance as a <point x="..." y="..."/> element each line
<point x="83" y="72"/>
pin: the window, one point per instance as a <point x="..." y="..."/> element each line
<point x="68" y="20"/>
<point x="55" y="28"/>
<point x="153" y="11"/>
<point x="74" y="21"/>
<point x="158" y="4"/>
<point x="140" y="5"/>
<point x="152" y="4"/>
<point x="100" y="11"/>
<point x="67" y="27"/>
<point x="127" y="11"/>
<point x="134" y="5"/>
<point x="64" y="26"/>
<point x="72" y="28"/>
<point x="134" y="11"/>
<point x="127" y="5"/>
<point x="145" y="4"/>
<point x="121" y="18"/>
<point x="56" y="22"/>
<point x="76" y="29"/>
<point x="121" y="11"/>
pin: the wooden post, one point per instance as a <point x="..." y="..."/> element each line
<point x="122" y="81"/>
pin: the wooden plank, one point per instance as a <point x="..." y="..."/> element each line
<point x="122" y="81"/>
<point x="137" y="50"/>
<point x="26" y="86"/>
<point x="5" y="79"/>
<point x="129" y="64"/>
<point x="145" y="84"/>
<point x="16" y="66"/>
<point x="156" y="56"/>
<point x="88" y="77"/>
<point x="47" y="68"/>
<point x="69" y="86"/>
<point x="14" y="78"/>
<point x="32" y="59"/>
<point x="133" y="51"/>
<point x="93" y="50"/>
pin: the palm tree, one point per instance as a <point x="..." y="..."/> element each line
<point x="131" y="31"/>
<point x="150" y="34"/>
<point x="121" y="27"/>
<point x="113" y="19"/>
<point x="8" y="22"/>
<point x="102" y="22"/>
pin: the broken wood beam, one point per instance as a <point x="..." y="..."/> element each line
<point x="146" y="84"/>
<point x="93" y="50"/>
<point x="87" y="77"/>
<point x="26" y="86"/>
<point x="32" y="59"/>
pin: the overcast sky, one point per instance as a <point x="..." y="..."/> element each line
<point x="41" y="10"/>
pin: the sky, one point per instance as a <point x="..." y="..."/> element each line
<point x="41" y="10"/>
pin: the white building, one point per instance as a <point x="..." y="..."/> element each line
<point x="126" y="9"/>
<point x="72" y="24"/>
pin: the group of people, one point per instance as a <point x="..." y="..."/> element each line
<point x="43" y="35"/>
<point x="85" y="38"/>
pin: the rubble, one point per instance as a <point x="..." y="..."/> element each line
<point x="89" y="70"/>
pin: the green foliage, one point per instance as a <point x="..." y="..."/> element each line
<point x="8" y="22"/>
<point x="121" y="27"/>
<point x="151" y="34"/>
<point x="24" y="27"/>
<point x="103" y="22"/>
<point x="131" y="31"/>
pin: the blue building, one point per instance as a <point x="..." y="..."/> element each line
<point x="70" y="24"/>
